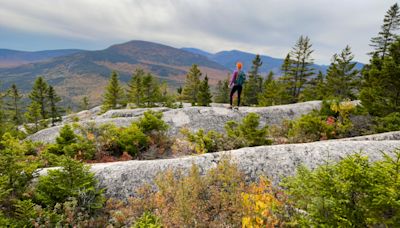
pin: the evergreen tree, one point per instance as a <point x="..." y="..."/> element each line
<point x="135" y="88"/>
<point x="380" y="93"/>
<point x="204" y="96"/>
<point x="386" y="36"/>
<point x="316" y="89"/>
<point x="114" y="93"/>
<point x="342" y="79"/>
<point x="15" y="104"/>
<point x="192" y="84"/>
<point x="85" y="103"/>
<point x="222" y="92"/>
<point x="300" y="67"/>
<point x="2" y="114"/>
<point x="55" y="110"/>
<point x="253" y="85"/>
<point x="273" y="92"/>
<point x="151" y="90"/>
<point x="166" y="98"/>
<point x="34" y="116"/>
<point x="38" y="95"/>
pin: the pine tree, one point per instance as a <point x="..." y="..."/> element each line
<point x="151" y="90"/>
<point x="166" y="98"/>
<point x="38" y="95"/>
<point x="222" y="91"/>
<point x="34" y="116"/>
<point x="273" y="92"/>
<point x="380" y="92"/>
<point x="114" y="93"/>
<point x="135" y="88"/>
<point x="55" y="110"/>
<point x="204" y="96"/>
<point x="342" y="79"/>
<point x="192" y="84"/>
<point x="316" y="89"/>
<point x="253" y="85"/>
<point x="386" y="36"/>
<point x="85" y="103"/>
<point x="300" y="67"/>
<point x="2" y="114"/>
<point x="15" y="104"/>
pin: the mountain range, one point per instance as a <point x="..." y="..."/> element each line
<point x="77" y="73"/>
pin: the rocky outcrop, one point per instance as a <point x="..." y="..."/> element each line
<point x="122" y="178"/>
<point x="193" y="118"/>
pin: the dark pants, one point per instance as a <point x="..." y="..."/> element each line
<point x="235" y="88"/>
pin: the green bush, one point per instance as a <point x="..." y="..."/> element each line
<point x="72" y="145"/>
<point x="352" y="193"/>
<point x="309" y="128"/>
<point x="152" y="121"/>
<point x="390" y="122"/>
<point x="147" y="220"/>
<point x="205" y="143"/>
<point x="72" y="180"/>
<point x="132" y="140"/>
<point x="247" y="133"/>
<point x="16" y="170"/>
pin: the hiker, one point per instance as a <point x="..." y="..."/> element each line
<point x="236" y="83"/>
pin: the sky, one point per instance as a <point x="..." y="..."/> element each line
<point x="268" y="27"/>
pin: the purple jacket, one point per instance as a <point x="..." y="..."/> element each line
<point x="233" y="78"/>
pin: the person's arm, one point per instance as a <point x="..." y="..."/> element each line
<point x="233" y="79"/>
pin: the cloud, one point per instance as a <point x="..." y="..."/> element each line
<point x="263" y="26"/>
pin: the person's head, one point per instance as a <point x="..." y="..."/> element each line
<point x="239" y="65"/>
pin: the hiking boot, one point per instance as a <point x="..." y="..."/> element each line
<point x="230" y="107"/>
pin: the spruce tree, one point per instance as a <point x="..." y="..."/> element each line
<point x="342" y="79"/>
<point x="253" y="85"/>
<point x="55" y="110"/>
<point x="85" y="103"/>
<point x="135" y="88"/>
<point x="38" y="95"/>
<point x="2" y="114"/>
<point x="273" y="92"/>
<point x="222" y="91"/>
<point x="14" y="104"/>
<point x="114" y="94"/>
<point x="386" y="36"/>
<point x="192" y="84"/>
<point x="204" y="96"/>
<point x="300" y="67"/>
<point x="316" y="89"/>
<point x="33" y="115"/>
<point x="151" y="90"/>
<point x="380" y="92"/>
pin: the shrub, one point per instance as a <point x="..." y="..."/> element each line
<point x="16" y="171"/>
<point x="215" y="199"/>
<point x="152" y="121"/>
<point x="72" y="145"/>
<point x="262" y="208"/>
<point x="309" y="128"/>
<point x="132" y="140"/>
<point x="72" y="180"/>
<point x="351" y="193"/>
<point x="148" y="220"/>
<point x="390" y="122"/>
<point x="204" y="143"/>
<point x="248" y="133"/>
<point x="193" y="200"/>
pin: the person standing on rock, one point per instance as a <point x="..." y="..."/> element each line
<point x="236" y="84"/>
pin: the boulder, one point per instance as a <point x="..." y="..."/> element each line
<point x="121" y="179"/>
<point x="193" y="118"/>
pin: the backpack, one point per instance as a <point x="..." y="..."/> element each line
<point x="240" y="78"/>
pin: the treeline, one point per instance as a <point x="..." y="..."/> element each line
<point x="144" y="90"/>
<point x="42" y="110"/>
